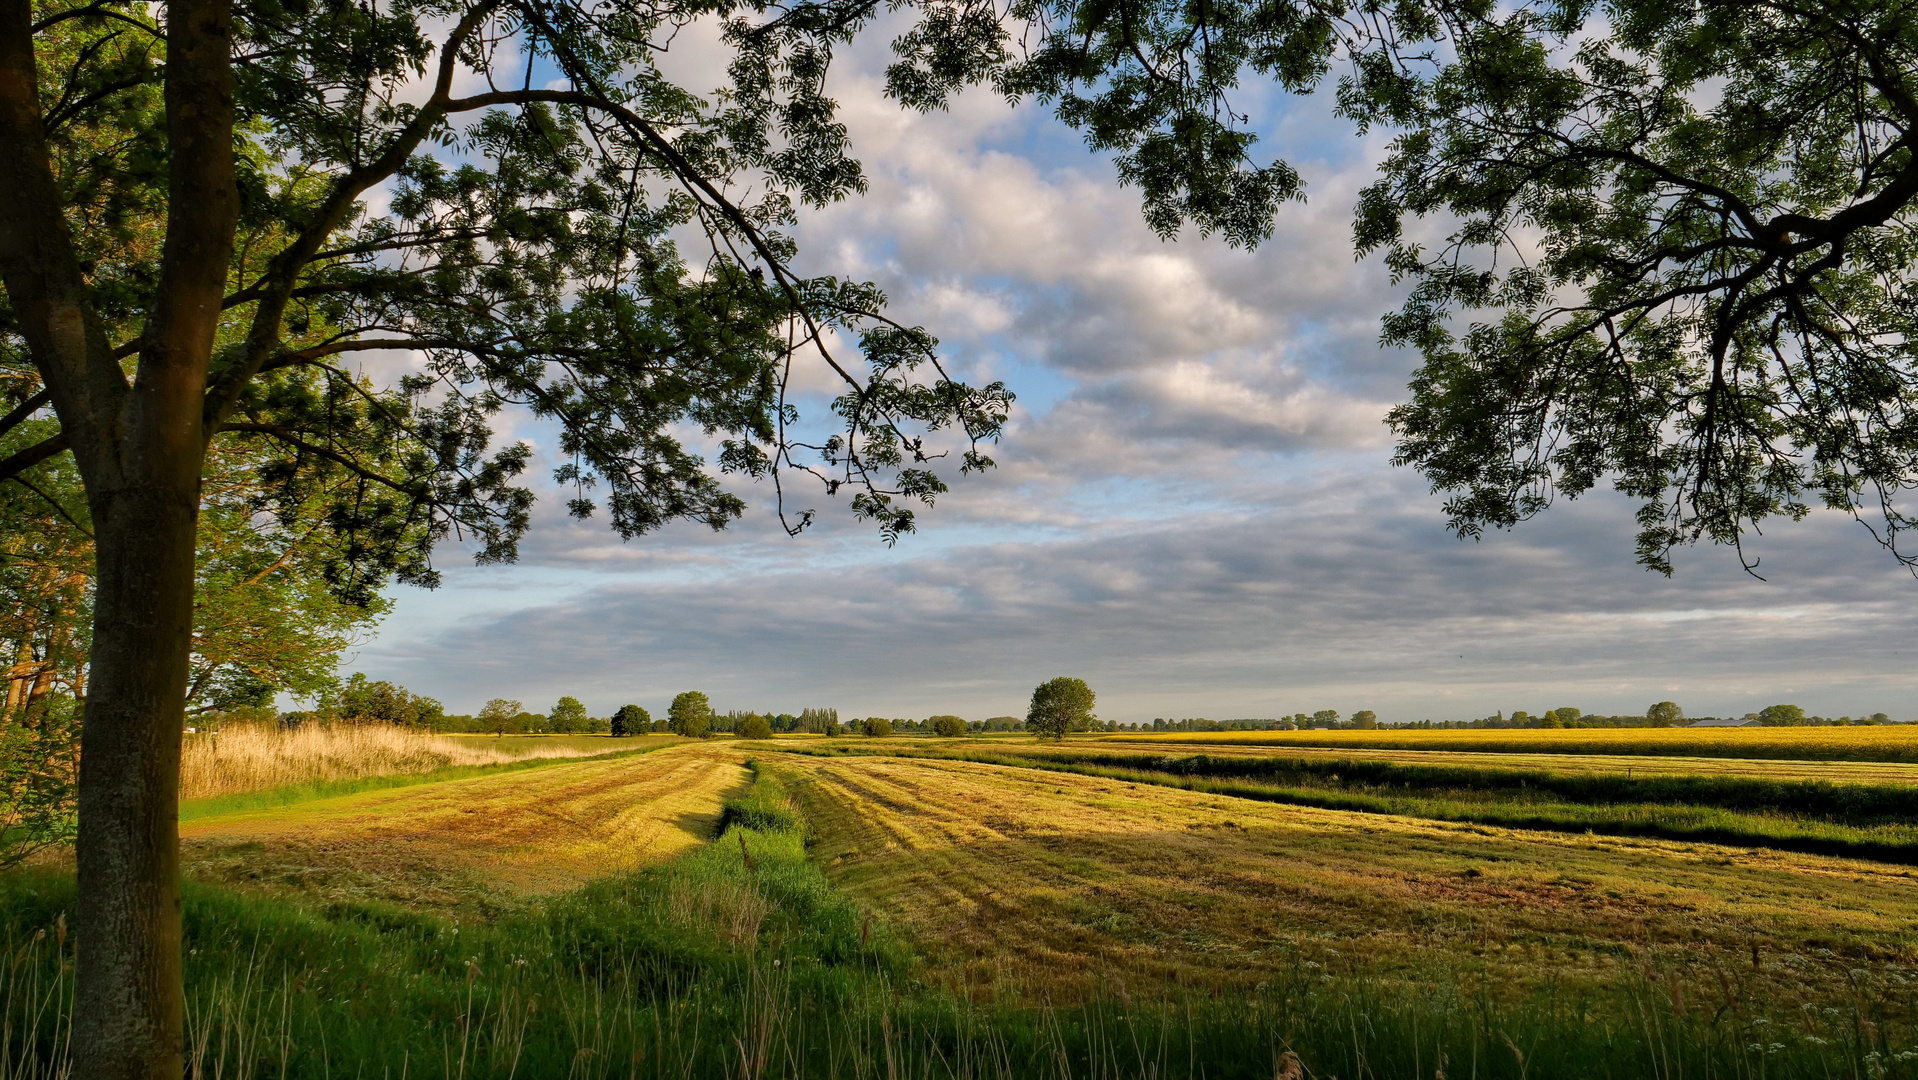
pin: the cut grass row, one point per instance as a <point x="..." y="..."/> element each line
<point x="475" y="845"/>
<point x="741" y="960"/>
<point x="306" y="791"/>
<point x="1050" y="884"/>
<point x="1854" y="820"/>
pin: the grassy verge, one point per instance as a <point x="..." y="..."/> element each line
<point x="1813" y="817"/>
<point x="288" y="794"/>
<point x="740" y="960"/>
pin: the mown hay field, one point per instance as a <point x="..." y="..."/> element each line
<point x="1024" y="883"/>
<point x="245" y="758"/>
<point x="1888" y="742"/>
<point x="475" y="843"/>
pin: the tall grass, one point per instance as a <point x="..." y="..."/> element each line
<point x="741" y="962"/>
<point x="246" y="758"/>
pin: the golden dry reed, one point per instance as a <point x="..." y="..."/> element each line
<point x="252" y="758"/>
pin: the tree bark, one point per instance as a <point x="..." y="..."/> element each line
<point x="140" y="446"/>
<point x="128" y="1013"/>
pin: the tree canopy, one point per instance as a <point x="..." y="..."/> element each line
<point x="1685" y="235"/>
<point x="631" y="720"/>
<point x="690" y="715"/>
<point x="1059" y="706"/>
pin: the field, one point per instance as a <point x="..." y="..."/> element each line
<point x="1891" y="742"/>
<point x="1000" y="908"/>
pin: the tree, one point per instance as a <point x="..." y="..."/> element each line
<point x="1664" y="714"/>
<point x="754" y="727"/>
<point x="948" y="727"/>
<point x="1058" y="706"/>
<point x="877" y="727"/>
<point x="378" y="702"/>
<point x="188" y="257"/>
<point x="498" y="716"/>
<point x="1782" y="716"/>
<point x="1325" y="718"/>
<point x="1365" y="719"/>
<point x="1686" y="237"/>
<point x="690" y="715"/>
<point x="568" y="716"/>
<point x="631" y="720"/>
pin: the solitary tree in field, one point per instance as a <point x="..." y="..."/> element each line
<point x="499" y="716"/>
<point x="1664" y="714"/>
<point x="754" y="726"/>
<point x="568" y="716"/>
<point x="690" y="714"/>
<point x="1058" y="706"/>
<point x="948" y="727"/>
<point x="631" y="720"/>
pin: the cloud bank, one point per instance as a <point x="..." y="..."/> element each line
<point x="1194" y="508"/>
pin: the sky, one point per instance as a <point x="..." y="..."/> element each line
<point x="1194" y="507"/>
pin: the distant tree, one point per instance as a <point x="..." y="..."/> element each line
<point x="1551" y="719"/>
<point x="948" y="727"/>
<point x="1567" y="715"/>
<point x="1365" y="719"/>
<point x="1664" y="714"/>
<point x="833" y="730"/>
<point x="1782" y="716"/>
<point x="498" y="715"/>
<point x="754" y="727"/>
<point x="1058" y="706"/>
<point x="373" y="702"/>
<point x="690" y="714"/>
<point x="1325" y="718"/>
<point x="1879" y="718"/>
<point x="631" y="720"/>
<point x="876" y="726"/>
<point x="568" y="716"/>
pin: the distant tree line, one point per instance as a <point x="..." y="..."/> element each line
<point x="1661" y="714"/>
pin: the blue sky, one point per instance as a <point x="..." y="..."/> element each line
<point x="1194" y="509"/>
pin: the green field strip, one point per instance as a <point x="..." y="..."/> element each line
<point x="311" y="790"/>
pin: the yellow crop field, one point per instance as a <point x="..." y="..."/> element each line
<point x="1056" y="885"/>
<point x="477" y="841"/>
<point x="1764" y="768"/>
<point x="1889" y="742"/>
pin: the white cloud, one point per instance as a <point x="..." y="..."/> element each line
<point x="1194" y="508"/>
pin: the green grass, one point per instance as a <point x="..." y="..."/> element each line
<point x="1870" y="821"/>
<point x="288" y="794"/>
<point x="740" y="960"/>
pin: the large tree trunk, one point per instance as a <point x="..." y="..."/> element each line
<point x="140" y="446"/>
<point x="128" y="1017"/>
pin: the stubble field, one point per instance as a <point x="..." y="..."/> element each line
<point x="1001" y="908"/>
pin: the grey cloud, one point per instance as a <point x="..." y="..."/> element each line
<point x="1362" y="604"/>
